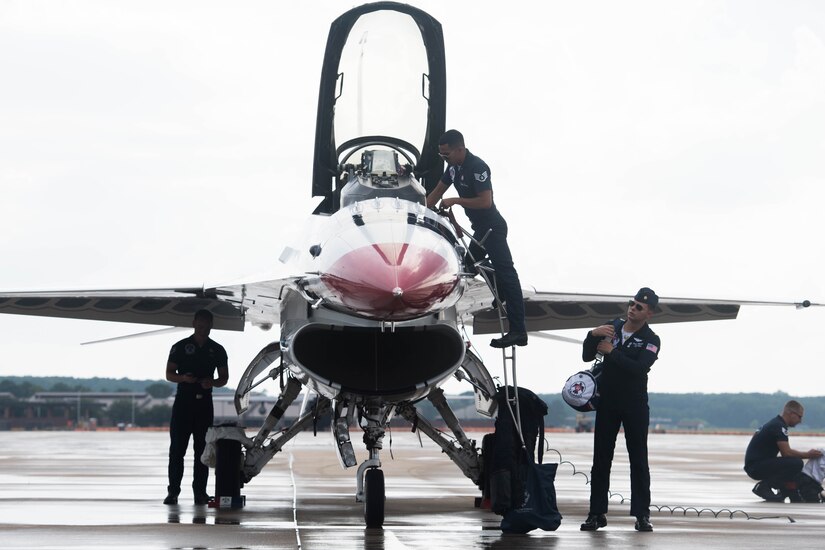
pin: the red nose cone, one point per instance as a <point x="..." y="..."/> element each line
<point x="392" y="281"/>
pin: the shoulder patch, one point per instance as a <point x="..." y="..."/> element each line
<point x="785" y="431"/>
<point x="652" y="347"/>
<point x="452" y="173"/>
<point x="482" y="177"/>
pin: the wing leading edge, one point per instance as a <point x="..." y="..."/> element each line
<point x="558" y="311"/>
<point x="231" y="305"/>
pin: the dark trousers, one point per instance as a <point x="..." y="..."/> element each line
<point x="190" y="417"/>
<point x="635" y="418"/>
<point x="775" y="471"/>
<point x="508" y="286"/>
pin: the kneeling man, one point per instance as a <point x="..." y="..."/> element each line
<point x="780" y="473"/>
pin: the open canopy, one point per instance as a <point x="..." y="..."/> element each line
<point x="383" y="85"/>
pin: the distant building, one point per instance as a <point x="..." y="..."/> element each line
<point x="64" y="410"/>
<point x="142" y="399"/>
<point x="691" y="425"/>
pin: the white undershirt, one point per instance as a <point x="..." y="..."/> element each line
<point x="625" y="336"/>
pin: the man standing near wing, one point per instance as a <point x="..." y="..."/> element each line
<point x="629" y="348"/>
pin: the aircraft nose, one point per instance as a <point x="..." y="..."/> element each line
<point x="393" y="281"/>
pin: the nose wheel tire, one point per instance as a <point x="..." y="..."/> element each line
<point x="374" y="498"/>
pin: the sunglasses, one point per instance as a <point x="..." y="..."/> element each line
<point x="445" y="156"/>
<point x="636" y="306"/>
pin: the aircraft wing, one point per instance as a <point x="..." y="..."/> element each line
<point x="259" y="304"/>
<point x="558" y="310"/>
<point x="231" y="305"/>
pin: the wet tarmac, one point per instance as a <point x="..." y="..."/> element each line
<point x="104" y="490"/>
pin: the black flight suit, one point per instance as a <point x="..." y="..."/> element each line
<point x="622" y="401"/>
<point x="761" y="462"/>
<point x="471" y="178"/>
<point x="192" y="413"/>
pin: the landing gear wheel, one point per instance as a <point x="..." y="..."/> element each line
<point x="374" y="498"/>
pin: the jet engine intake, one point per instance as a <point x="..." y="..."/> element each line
<point x="400" y="364"/>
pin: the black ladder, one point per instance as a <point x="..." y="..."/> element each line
<point x="508" y="354"/>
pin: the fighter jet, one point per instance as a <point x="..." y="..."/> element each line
<point x="373" y="321"/>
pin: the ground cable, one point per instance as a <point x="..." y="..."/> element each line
<point x="665" y="507"/>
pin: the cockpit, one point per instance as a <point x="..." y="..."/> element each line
<point x="380" y="173"/>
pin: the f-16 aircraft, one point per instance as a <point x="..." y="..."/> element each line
<point x="372" y="321"/>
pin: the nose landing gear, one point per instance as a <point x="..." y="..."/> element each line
<point x="370" y="477"/>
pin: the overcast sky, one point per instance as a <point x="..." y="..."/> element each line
<point x="676" y="145"/>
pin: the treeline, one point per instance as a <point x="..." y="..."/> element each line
<point x="735" y="410"/>
<point x="729" y="411"/>
<point x="23" y="387"/>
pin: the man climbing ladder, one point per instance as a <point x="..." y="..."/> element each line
<point x="471" y="177"/>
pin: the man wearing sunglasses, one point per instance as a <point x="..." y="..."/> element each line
<point x="782" y="473"/>
<point x="471" y="178"/>
<point x="628" y="349"/>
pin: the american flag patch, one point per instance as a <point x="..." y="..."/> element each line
<point x="652" y="347"/>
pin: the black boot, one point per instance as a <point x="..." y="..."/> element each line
<point x="593" y="522"/>
<point x="763" y="490"/>
<point x="643" y="524"/>
<point x="510" y="339"/>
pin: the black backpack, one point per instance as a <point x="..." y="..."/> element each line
<point x="504" y="460"/>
